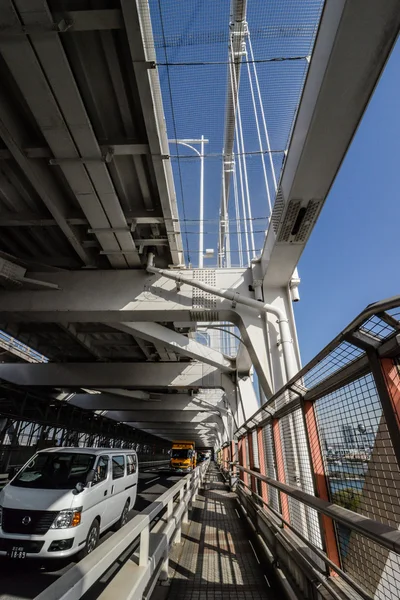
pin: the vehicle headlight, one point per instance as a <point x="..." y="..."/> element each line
<point x="67" y="518"/>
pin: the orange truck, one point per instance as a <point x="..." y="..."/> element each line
<point x="183" y="457"/>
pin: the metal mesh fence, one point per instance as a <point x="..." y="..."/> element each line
<point x="270" y="471"/>
<point x="363" y="476"/>
<point x="326" y="434"/>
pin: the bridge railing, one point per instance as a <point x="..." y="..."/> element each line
<point x="139" y="550"/>
<point x="332" y="434"/>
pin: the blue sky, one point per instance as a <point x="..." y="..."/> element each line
<point x="352" y="257"/>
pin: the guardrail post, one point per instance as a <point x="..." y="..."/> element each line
<point x="144" y="547"/>
<point x="250" y="461"/>
<point x="164" y="576"/>
<point x="280" y="467"/>
<point x="242" y="454"/>
<point x="327" y="526"/>
<point x="170" y="507"/>
<point x="386" y="373"/>
<point x="263" y="462"/>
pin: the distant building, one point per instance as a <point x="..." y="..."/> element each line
<point x="349" y="436"/>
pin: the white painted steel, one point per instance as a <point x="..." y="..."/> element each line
<point x="156" y="333"/>
<point x="230" y="294"/>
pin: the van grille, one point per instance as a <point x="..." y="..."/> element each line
<point x="39" y="524"/>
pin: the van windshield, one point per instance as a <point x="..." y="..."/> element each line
<point x="183" y="453"/>
<point x="55" y="471"/>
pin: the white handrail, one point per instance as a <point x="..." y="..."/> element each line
<point x="77" y="581"/>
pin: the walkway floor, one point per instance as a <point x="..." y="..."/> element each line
<point x="217" y="560"/>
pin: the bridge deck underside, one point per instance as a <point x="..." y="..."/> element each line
<point x="216" y="559"/>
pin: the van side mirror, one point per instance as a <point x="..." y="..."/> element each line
<point x="91" y="476"/>
<point x="78" y="488"/>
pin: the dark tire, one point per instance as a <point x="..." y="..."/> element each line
<point x="123" y="518"/>
<point x="91" y="541"/>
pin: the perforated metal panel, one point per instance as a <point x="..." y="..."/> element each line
<point x="312" y="211"/>
<point x="200" y="299"/>
<point x="278" y="210"/>
<point x="289" y="221"/>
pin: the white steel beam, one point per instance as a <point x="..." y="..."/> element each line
<point x="248" y="398"/>
<point x="111" y="401"/>
<point x="118" y="296"/>
<point x="165" y="402"/>
<point x="143" y="376"/>
<point x="155" y="333"/>
<point x="137" y="20"/>
<point x="165" y="417"/>
<point x="135" y="394"/>
<point x="354" y="41"/>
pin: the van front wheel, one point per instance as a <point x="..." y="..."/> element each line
<point x="91" y="541"/>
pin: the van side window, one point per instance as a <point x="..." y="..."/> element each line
<point x="130" y="464"/>
<point x="118" y="466"/>
<point x="101" y="469"/>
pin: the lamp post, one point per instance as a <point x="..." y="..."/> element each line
<point x="188" y="143"/>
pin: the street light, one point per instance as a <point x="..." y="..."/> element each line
<point x="188" y="143"/>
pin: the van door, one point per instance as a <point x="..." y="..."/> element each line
<point x="118" y="486"/>
<point x="100" y="491"/>
<point x="131" y="477"/>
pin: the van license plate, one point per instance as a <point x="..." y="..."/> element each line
<point x="16" y="552"/>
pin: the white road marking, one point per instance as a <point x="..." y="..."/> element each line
<point x="237" y="513"/>
<point x="252" y="547"/>
<point x="266" y="579"/>
<point x="151" y="481"/>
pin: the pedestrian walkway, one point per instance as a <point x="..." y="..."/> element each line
<point x="216" y="559"/>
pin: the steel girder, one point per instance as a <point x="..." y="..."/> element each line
<point x="21" y="405"/>
<point x="155" y="333"/>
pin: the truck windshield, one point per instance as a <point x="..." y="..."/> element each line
<point x="182" y="453"/>
<point x="55" y="471"/>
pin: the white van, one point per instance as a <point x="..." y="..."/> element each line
<point x="63" y="498"/>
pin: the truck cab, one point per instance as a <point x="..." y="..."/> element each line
<point x="183" y="457"/>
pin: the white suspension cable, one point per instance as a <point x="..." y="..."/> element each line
<point x="262" y="110"/>
<point x="246" y="181"/>
<point x="237" y="212"/>
<point x="227" y="231"/>
<point x="259" y="135"/>
<point x="243" y="155"/>
<point x="242" y="194"/>
<point x="240" y="155"/>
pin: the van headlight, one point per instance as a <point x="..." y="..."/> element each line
<point x="67" y="518"/>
